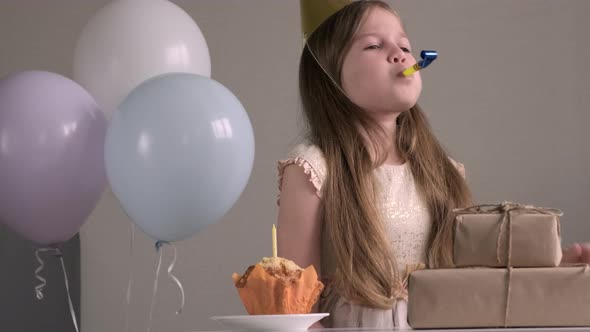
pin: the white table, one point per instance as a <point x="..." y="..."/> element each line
<point x="524" y="329"/>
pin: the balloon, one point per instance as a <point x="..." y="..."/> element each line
<point x="178" y="154"/>
<point x="129" y="41"/>
<point x="51" y="155"/>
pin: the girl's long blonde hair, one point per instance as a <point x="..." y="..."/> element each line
<point x="365" y="268"/>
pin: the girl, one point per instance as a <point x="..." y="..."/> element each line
<point x="370" y="194"/>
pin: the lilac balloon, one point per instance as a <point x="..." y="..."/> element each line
<point x="52" y="169"/>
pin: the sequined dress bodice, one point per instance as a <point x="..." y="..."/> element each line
<point x="404" y="214"/>
<point x="403" y="211"/>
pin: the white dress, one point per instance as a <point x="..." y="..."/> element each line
<point x="407" y="222"/>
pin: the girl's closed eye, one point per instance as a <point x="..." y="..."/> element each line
<point x="373" y="47"/>
<point x="406" y="49"/>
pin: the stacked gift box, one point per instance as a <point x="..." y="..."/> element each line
<point x="507" y="274"/>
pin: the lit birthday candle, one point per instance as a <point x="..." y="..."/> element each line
<point x="427" y="58"/>
<point x="274" y="241"/>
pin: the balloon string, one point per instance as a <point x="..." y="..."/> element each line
<point x="158" y="245"/>
<point x="173" y="277"/>
<point x="43" y="282"/>
<point x="130" y="281"/>
<point x="72" y="312"/>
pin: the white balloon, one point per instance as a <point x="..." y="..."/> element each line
<point x="128" y="41"/>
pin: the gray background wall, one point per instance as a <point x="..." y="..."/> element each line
<point x="508" y="97"/>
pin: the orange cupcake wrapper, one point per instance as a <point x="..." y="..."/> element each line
<point x="263" y="294"/>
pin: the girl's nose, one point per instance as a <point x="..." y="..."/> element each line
<point x="397" y="56"/>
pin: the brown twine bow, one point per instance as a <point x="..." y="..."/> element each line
<point x="508" y="210"/>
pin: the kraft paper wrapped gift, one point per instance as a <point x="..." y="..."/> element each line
<point x="494" y="297"/>
<point x="487" y="235"/>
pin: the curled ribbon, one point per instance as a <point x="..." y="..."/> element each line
<point x="39" y="288"/>
<point x="508" y="210"/>
<point x="159" y="245"/>
<point x="173" y="277"/>
<point x="43" y="281"/>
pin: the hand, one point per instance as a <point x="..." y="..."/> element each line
<point x="577" y="253"/>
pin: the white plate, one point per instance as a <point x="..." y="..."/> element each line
<point x="270" y="322"/>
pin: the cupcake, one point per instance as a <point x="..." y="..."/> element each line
<point x="276" y="285"/>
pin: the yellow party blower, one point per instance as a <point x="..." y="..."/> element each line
<point x="427" y="58"/>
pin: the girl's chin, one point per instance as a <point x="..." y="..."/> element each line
<point x="397" y="107"/>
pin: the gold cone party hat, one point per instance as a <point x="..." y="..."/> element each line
<point x="315" y="12"/>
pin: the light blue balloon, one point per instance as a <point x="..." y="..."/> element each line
<point x="179" y="152"/>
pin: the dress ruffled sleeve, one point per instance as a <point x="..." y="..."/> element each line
<point x="460" y="167"/>
<point x="311" y="159"/>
